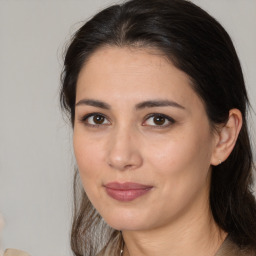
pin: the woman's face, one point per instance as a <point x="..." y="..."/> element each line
<point x="142" y="140"/>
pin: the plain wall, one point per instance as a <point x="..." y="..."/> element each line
<point x="36" y="162"/>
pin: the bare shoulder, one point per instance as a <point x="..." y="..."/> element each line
<point x="14" y="252"/>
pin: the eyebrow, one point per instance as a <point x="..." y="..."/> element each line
<point x="158" y="103"/>
<point x="93" y="103"/>
<point x="139" y="106"/>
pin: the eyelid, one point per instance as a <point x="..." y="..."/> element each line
<point x="87" y="116"/>
<point x="168" y="118"/>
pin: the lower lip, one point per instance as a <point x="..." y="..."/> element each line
<point x="126" y="195"/>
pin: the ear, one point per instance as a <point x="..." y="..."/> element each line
<point x="226" y="137"/>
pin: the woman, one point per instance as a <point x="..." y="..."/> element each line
<point x="158" y="105"/>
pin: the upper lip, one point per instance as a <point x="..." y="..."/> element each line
<point x="126" y="186"/>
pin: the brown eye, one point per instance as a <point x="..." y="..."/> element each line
<point x="97" y="119"/>
<point x="159" y="120"/>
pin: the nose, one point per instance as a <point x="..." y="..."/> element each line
<point x="124" y="150"/>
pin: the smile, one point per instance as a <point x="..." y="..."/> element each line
<point x="126" y="191"/>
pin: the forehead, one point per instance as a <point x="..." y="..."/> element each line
<point x="115" y="72"/>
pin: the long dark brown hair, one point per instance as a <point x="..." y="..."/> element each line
<point x="198" y="45"/>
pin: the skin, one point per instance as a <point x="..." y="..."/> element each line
<point x="128" y="145"/>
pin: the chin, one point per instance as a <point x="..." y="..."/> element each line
<point x="125" y="225"/>
<point x="126" y="220"/>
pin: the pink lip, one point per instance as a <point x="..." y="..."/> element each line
<point x="127" y="191"/>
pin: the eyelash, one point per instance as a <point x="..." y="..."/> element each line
<point x="85" y="118"/>
<point x="170" y="120"/>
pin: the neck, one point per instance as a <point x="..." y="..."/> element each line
<point x="194" y="235"/>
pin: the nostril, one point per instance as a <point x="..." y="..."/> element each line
<point x="129" y="166"/>
<point x="121" y="165"/>
<point x="122" y="153"/>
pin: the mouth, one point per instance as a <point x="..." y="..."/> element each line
<point x="127" y="191"/>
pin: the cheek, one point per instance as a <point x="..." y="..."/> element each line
<point x="88" y="157"/>
<point x="88" y="154"/>
<point x="182" y="173"/>
<point x="184" y="159"/>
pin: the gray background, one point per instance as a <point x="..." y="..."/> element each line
<point x="36" y="159"/>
